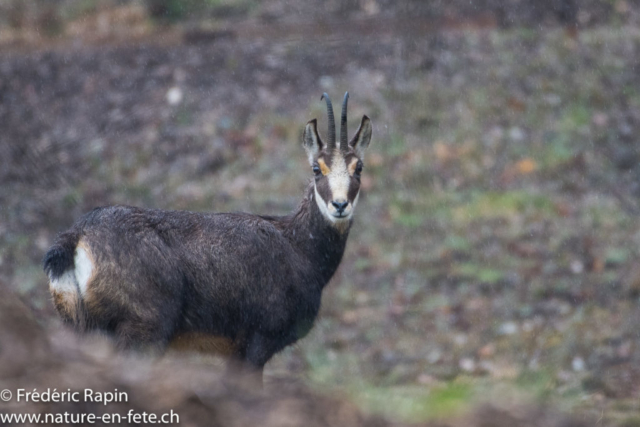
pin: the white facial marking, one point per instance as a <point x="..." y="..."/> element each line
<point x="355" y="201"/>
<point x="339" y="177"/>
<point x="84" y="269"/>
<point x="322" y="205"/>
<point x="339" y="180"/>
<point x="326" y="211"/>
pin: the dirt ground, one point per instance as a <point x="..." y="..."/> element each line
<point x="494" y="255"/>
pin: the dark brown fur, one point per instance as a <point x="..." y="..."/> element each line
<point x="255" y="280"/>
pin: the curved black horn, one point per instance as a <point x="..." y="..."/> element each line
<point x="332" y="123"/>
<point x="344" y="146"/>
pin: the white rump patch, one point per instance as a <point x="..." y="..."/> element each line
<point x="84" y="268"/>
<point x="75" y="279"/>
<point x="65" y="283"/>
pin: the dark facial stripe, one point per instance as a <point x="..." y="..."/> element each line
<point x="324" y="190"/>
<point x="354" y="187"/>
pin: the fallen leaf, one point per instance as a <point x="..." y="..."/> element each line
<point x="526" y="166"/>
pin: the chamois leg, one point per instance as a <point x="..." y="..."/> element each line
<point x="259" y="350"/>
<point x="142" y="336"/>
<point x="241" y="373"/>
<point x="249" y="359"/>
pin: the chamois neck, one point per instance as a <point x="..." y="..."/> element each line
<point x="316" y="238"/>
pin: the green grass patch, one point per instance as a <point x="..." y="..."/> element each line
<point x="464" y="207"/>
<point x="416" y="403"/>
<point x="177" y="10"/>
<point x="508" y="204"/>
<point x="457" y="243"/>
<point x="479" y="273"/>
<point x="616" y="255"/>
<point x="540" y="383"/>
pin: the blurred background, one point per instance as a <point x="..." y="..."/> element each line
<point x="494" y="255"/>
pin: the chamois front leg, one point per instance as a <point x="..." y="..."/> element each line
<point x="260" y="349"/>
<point x="252" y="357"/>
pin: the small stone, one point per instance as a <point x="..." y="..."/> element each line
<point x="508" y="328"/>
<point x="460" y="339"/>
<point x="426" y="379"/>
<point x="528" y="326"/>
<point x="577" y="266"/>
<point x="577" y="364"/>
<point x="362" y="298"/>
<point x="625" y="349"/>
<point x="350" y="317"/>
<point x="326" y="82"/>
<point x="553" y="99"/>
<point x="434" y="356"/>
<point x="174" y="96"/>
<point x="516" y="134"/>
<point x="487" y="350"/>
<point x="467" y="364"/>
<point x="621" y="6"/>
<point x="600" y="119"/>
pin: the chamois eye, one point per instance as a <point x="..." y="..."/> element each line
<point x="316" y="170"/>
<point x="358" y="169"/>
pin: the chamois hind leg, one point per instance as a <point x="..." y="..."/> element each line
<point x="131" y="335"/>
<point x="149" y="335"/>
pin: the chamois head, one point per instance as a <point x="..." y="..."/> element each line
<point x="337" y="169"/>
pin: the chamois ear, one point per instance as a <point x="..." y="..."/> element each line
<point x="362" y="137"/>
<point x="311" y="140"/>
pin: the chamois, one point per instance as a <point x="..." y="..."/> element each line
<point x="236" y="283"/>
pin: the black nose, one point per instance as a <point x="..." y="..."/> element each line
<point x="340" y="205"/>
